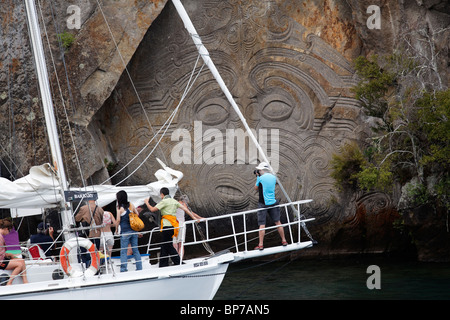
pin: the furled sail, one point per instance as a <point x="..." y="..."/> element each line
<point x="41" y="189"/>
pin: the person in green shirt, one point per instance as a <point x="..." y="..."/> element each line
<point x="169" y="225"/>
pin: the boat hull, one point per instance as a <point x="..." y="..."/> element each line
<point x="195" y="280"/>
<point x="252" y="254"/>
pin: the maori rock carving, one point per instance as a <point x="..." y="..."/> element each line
<point x="283" y="78"/>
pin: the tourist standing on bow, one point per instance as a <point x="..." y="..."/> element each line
<point x="265" y="184"/>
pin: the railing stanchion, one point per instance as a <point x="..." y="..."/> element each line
<point x="245" y="232"/>
<point x="193" y="232"/>
<point x="234" y="234"/>
<point x="299" y="222"/>
<point x="289" y="223"/>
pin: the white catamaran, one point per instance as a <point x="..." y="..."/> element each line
<point x="196" y="278"/>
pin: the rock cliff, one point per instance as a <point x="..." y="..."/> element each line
<point x="287" y="63"/>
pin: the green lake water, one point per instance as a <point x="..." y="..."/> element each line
<point x="342" y="279"/>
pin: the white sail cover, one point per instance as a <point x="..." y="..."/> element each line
<point x="40" y="189"/>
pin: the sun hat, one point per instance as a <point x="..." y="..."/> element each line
<point x="42" y="226"/>
<point x="263" y="166"/>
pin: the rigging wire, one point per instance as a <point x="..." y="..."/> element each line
<point x="30" y="105"/>
<point x="166" y="125"/>
<point x="60" y="92"/>
<point x="128" y="73"/>
<point x="168" y="121"/>
<point x="171" y="118"/>
<point x="13" y="163"/>
<point x="55" y="112"/>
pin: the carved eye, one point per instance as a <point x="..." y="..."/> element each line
<point x="229" y="193"/>
<point x="278" y="109"/>
<point x="233" y="34"/>
<point x="212" y="112"/>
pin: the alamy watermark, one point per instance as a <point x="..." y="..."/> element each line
<point x="230" y="146"/>
<point x="74" y="19"/>
<point x="214" y="146"/>
<point x="374" y="21"/>
<point x="374" y="280"/>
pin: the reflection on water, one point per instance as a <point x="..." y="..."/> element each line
<point x="335" y="279"/>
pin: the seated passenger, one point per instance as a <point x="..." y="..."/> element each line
<point x="43" y="238"/>
<point x="7" y="260"/>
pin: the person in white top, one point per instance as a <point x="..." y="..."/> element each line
<point x="179" y="240"/>
<point x="107" y="237"/>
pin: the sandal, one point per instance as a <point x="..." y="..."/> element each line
<point x="284" y="243"/>
<point x="260" y="248"/>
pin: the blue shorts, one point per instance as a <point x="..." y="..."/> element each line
<point x="274" y="213"/>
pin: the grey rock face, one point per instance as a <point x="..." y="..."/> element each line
<point x="287" y="63"/>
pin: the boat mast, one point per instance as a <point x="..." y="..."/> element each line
<point x="44" y="86"/>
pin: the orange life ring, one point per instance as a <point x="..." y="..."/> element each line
<point x="66" y="259"/>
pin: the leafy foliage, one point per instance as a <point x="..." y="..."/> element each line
<point x="417" y="194"/>
<point x="373" y="178"/>
<point x="346" y="166"/>
<point x="351" y="169"/>
<point x="66" y="39"/>
<point x="372" y="91"/>
<point x="433" y="114"/>
<point x="411" y="138"/>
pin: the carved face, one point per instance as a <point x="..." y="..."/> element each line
<point x="284" y="79"/>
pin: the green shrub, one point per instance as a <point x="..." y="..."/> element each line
<point x="351" y="169"/>
<point x="410" y="137"/>
<point x="433" y="125"/>
<point x="372" y="90"/>
<point x="66" y="39"/>
<point x="372" y="178"/>
<point x="443" y="191"/>
<point x="417" y="194"/>
<point x="346" y="166"/>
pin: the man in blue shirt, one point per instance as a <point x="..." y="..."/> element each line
<point x="43" y="238"/>
<point x="265" y="184"/>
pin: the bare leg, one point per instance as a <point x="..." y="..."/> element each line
<point x="18" y="266"/>
<point x="262" y="233"/>
<point x="281" y="231"/>
<point x="179" y="247"/>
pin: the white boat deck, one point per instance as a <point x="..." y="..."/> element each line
<point x="47" y="280"/>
